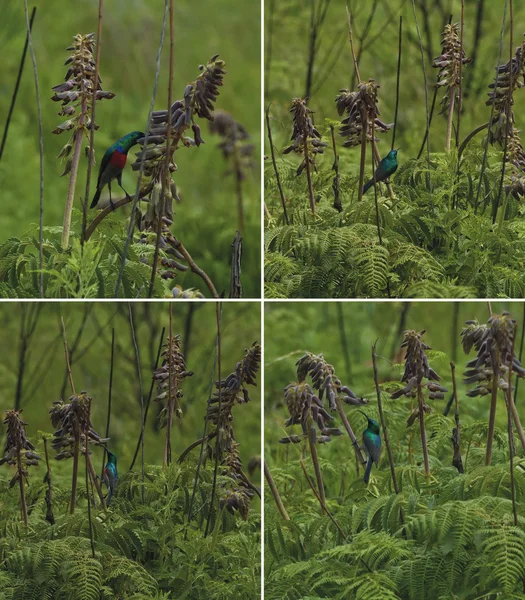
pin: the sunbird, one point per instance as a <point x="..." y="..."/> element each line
<point x="110" y="476"/>
<point x="372" y="442"/>
<point x="385" y="169"/>
<point x="113" y="164"/>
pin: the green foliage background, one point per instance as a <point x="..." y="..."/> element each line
<point x="206" y="220"/>
<point x="142" y="550"/>
<point x="433" y="246"/>
<point x="459" y="540"/>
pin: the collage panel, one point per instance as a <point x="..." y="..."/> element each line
<point x="394" y="450"/>
<point x="142" y="204"/>
<point x="165" y="503"/>
<point x="394" y="162"/>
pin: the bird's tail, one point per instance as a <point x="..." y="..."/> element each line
<point x="368" y="186"/>
<point x="368" y="469"/>
<point x="96" y="198"/>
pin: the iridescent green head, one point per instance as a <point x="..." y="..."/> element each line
<point x="129" y="140"/>
<point x="393" y="154"/>
<point x="112" y="459"/>
<point x="373" y="425"/>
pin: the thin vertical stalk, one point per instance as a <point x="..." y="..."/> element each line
<point x="141" y="170"/>
<point x="50" y="517"/>
<point x="23" y="504"/>
<point x="349" y="431"/>
<point x="323" y="504"/>
<point x="74" y="170"/>
<point x="335" y="185"/>
<point x="17" y="84"/>
<point x="142" y="419"/>
<point x="398" y="77"/>
<point x="422" y="429"/>
<point x="363" y="158"/>
<point x="91" y="159"/>
<point x="218" y="313"/>
<point x="167" y="445"/>
<point x="484" y="161"/>
<point x="155" y="366"/>
<point x="29" y="42"/>
<point x="166" y="175"/>
<point x="110" y="391"/>
<point x="521" y="351"/>
<point x="460" y="95"/>
<point x="492" y="413"/>
<point x="309" y="176"/>
<point x="426" y="94"/>
<point x="76" y="446"/>
<point x="275" y="493"/>
<point x="238" y="186"/>
<point x="344" y="341"/>
<point x="278" y="179"/>
<point x="315" y="462"/>
<point x="512" y="450"/>
<point x="450" y="119"/>
<point x="508" y="122"/>
<point x="88" y="494"/>
<point x="383" y="421"/>
<point x="456" y="434"/>
<point x="204" y="436"/>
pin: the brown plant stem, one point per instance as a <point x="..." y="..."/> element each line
<point x="309" y="176"/>
<point x="88" y="494"/>
<point x="456" y="434"/>
<point x="76" y="445"/>
<point x="96" y="482"/>
<point x="422" y="429"/>
<point x="275" y="493"/>
<point x="378" y="160"/>
<point x="320" y="500"/>
<point x="492" y="413"/>
<point x="351" y="434"/>
<point x="363" y="158"/>
<point x="238" y="187"/>
<point x="195" y="444"/>
<point x="512" y="450"/>
<point x="335" y="185"/>
<point x="167" y="444"/>
<point x="218" y="314"/>
<point x="91" y="159"/>
<point x="50" y="517"/>
<point x="17" y="84"/>
<point x="452" y="101"/>
<point x="101" y="215"/>
<point x="165" y="175"/>
<point x="383" y="421"/>
<point x="177" y="244"/>
<point x="235" y="271"/>
<point x="278" y="179"/>
<point x="23" y="505"/>
<point x="315" y="461"/>
<point x="142" y="413"/>
<point x="73" y="174"/>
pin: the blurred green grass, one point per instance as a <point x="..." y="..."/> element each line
<point x="206" y="220"/>
<point x="45" y="379"/>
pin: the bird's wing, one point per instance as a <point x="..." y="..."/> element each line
<point x="104" y="163"/>
<point x="372" y="450"/>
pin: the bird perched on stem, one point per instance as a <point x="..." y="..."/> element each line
<point x="113" y="163"/>
<point x="110" y="476"/>
<point x="385" y="169"/>
<point x="372" y="442"/>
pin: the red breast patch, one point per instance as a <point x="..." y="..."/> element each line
<point x="118" y="159"/>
